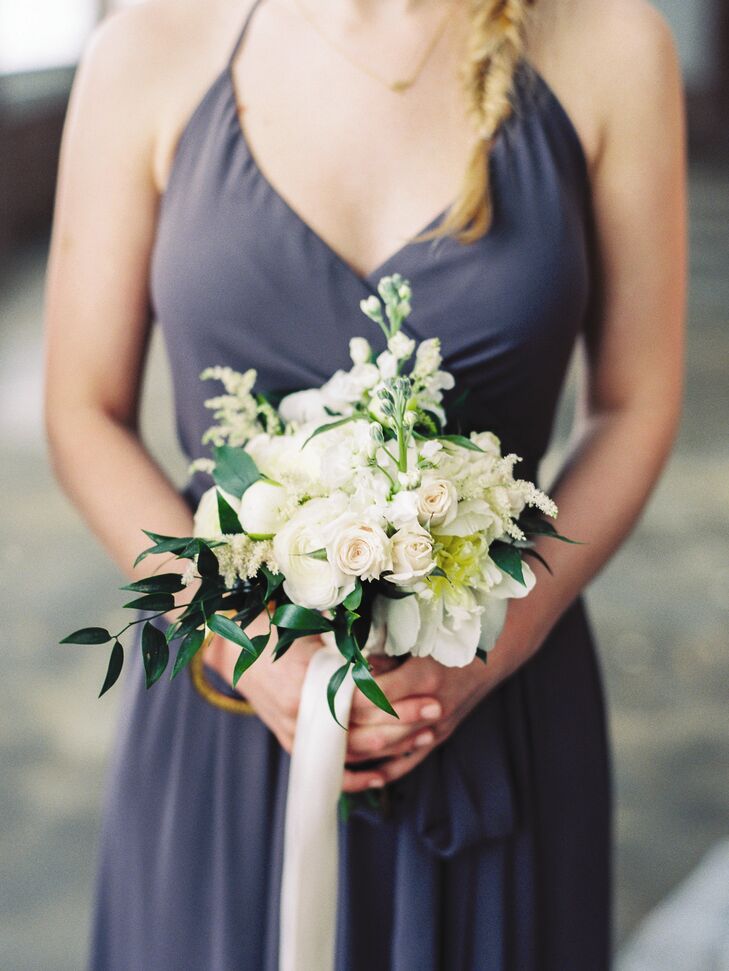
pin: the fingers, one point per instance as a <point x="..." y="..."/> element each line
<point x="410" y="710"/>
<point x="415" y="677"/>
<point x="388" y="772"/>
<point x="386" y="740"/>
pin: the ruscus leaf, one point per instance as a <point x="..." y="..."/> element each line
<point x="155" y="653"/>
<point x="116" y="660"/>
<point x="235" y="470"/>
<point x="371" y="689"/>
<point x="88" y="635"/>
<point x="189" y="647"/>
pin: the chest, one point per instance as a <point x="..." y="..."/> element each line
<point x="366" y="167"/>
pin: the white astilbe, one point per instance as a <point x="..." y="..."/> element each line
<point x="201" y="465"/>
<point x="238" y="414"/>
<point x="241" y="558"/>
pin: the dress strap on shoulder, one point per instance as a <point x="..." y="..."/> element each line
<point x="244" y="28"/>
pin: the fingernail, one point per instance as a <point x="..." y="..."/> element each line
<point x="425" y="739"/>
<point x="431" y="710"/>
<point x="376" y="783"/>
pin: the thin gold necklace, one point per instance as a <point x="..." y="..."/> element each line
<point x="400" y="85"/>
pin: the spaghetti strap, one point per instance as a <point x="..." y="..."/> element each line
<point x="244" y="28"/>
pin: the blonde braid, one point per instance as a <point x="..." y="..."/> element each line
<point x="495" y="47"/>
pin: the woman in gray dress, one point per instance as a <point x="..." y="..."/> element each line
<point x="247" y="201"/>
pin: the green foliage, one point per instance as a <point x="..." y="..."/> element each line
<point x="461" y="441"/>
<point x="161" y="583"/>
<point x="370" y="688"/>
<point x="235" y="470"/>
<point x="189" y="647"/>
<point x="508" y="558"/>
<point x="116" y="660"/>
<point x="229" y="522"/>
<point x="301" y="619"/>
<point x="152" y="601"/>
<point x="88" y="635"/>
<point x="335" y="683"/>
<point x="155" y="653"/>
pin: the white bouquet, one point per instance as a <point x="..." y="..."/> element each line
<point x="346" y="510"/>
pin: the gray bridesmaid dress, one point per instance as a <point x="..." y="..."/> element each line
<point x="493" y="854"/>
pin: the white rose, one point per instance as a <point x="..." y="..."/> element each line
<point x="206" y="522"/>
<point x="437" y="502"/>
<point x="359" y="549"/>
<point x="359" y="350"/>
<point x="401" y="346"/>
<point x="260" y="511"/>
<point x="310" y="582"/>
<point x="303" y="406"/>
<point x="412" y="553"/>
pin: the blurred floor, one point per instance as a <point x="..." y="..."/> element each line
<point x="661" y="612"/>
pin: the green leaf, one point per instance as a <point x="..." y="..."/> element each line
<point x="354" y="599"/>
<point x="152" y="601"/>
<point x="273" y="582"/>
<point x="284" y="642"/>
<point x="540" y="558"/>
<point x="537" y="526"/>
<point x="371" y="689"/>
<point x="245" y="660"/>
<point x="189" y="647"/>
<point x="235" y="470"/>
<point x="392" y="591"/>
<point x="229" y="522"/>
<point x="302" y="619"/>
<point x="116" y="661"/>
<point x="207" y="563"/>
<point x="317" y="554"/>
<point x="155" y="653"/>
<point x="482" y="655"/>
<point x="508" y="559"/>
<point x="228" y="629"/>
<point x="161" y="583"/>
<point x="335" y="683"/>
<point x="438" y="572"/>
<point x="88" y="635"/>
<point x="332" y="425"/>
<point x="163" y="544"/>
<point x="461" y="441"/>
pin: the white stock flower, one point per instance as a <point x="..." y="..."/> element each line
<point x="428" y="450"/>
<point x="387" y="365"/>
<point x="428" y="357"/>
<point x="359" y="350"/>
<point x="261" y="511"/>
<point x="412" y="554"/>
<point x="437" y="502"/>
<point x="401" y="346"/>
<point x="309" y="581"/>
<point x="409" y="480"/>
<point x="359" y="548"/>
<point x="402" y="509"/>
<point x="206" y="521"/>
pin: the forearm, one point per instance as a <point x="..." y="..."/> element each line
<point x="600" y="494"/>
<point x="119" y="490"/>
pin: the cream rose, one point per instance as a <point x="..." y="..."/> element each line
<point x="359" y="549"/>
<point x="412" y="554"/>
<point x="310" y="581"/>
<point x="437" y="502"/>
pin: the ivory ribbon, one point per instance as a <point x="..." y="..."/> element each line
<point x="308" y="907"/>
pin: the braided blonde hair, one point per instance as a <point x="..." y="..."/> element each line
<point x="495" y="48"/>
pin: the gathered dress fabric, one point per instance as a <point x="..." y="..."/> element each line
<point x="494" y="853"/>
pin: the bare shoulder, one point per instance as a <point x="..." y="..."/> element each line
<point x="613" y="63"/>
<point x="147" y="65"/>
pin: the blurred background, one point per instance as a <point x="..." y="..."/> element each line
<point x="661" y="608"/>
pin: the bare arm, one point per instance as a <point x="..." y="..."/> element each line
<point x="632" y="403"/>
<point x="97" y="301"/>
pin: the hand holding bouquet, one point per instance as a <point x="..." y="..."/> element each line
<point x="347" y="511"/>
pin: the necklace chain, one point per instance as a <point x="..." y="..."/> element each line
<point x="398" y="86"/>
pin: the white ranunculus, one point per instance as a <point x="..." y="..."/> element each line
<point x="358" y="548"/>
<point x="473" y="516"/>
<point x="412" y="554"/>
<point x="359" y="350"/>
<point x="206" y="521"/>
<point x="437" y="502"/>
<point x="310" y="582"/>
<point x="401" y="346"/>
<point x="261" y="508"/>
<point x="302" y="407"/>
